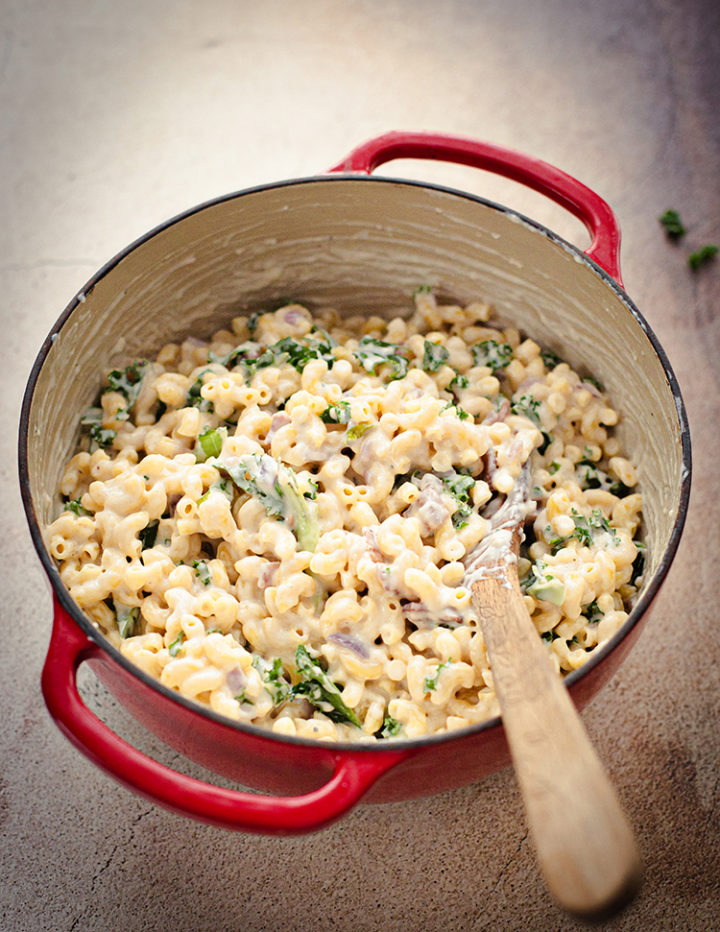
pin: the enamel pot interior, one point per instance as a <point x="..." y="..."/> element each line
<point x="362" y="245"/>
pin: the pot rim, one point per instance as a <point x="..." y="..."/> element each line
<point x="256" y="731"/>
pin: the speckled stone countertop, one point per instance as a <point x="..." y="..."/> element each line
<point x="118" y="116"/>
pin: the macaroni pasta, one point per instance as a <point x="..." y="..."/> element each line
<point x="276" y="523"/>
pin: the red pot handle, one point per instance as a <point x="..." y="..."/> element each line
<point x="560" y="187"/>
<point x="232" y="809"/>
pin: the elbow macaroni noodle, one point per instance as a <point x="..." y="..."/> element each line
<point x="274" y="523"/>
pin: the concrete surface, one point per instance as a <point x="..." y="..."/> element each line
<point x="115" y="116"/>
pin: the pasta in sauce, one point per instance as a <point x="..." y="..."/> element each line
<point x="276" y="523"/>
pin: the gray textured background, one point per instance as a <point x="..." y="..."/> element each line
<point x="116" y="116"/>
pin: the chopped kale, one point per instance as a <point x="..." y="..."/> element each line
<point x="434" y="356"/>
<point x="390" y="728"/>
<point x="250" y="356"/>
<point x="317" y="687"/>
<point x="460" y="413"/>
<point x="592" y="613"/>
<point x="528" y="407"/>
<point x="148" y="535"/>
<point x="194" y="397"/>
<point x="274" y="679"/>
<point x="492" y="354"/>
<point x="127" y="618"/>
<point x="101" y="436"/>
<point x="459" y="486"/>
<point x="127" y="382"/>
<point x="252" y="323"/>
<point x="275" y="485"/>
<point x="459" y="382"/>
<point x="586" y="530"/>
<point x="299" y="352"/>
<point x="549" y="636"/>
<point x="337" y="413"/>
<point x="76" y="508"/>
<point x="372" y="353"/>
<point x="550" y="358"/>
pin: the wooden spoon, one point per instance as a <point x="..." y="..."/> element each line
<point x="584" y="844"/>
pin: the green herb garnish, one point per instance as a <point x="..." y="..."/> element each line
<point x="702" y="255"/>
<point x="430" y="682"/>
<point x="202" y="571"/>
<point x="274" y="680"/>
<point x="528" y="407"/>
<point x="127" y="618"/>
<point x="586" y="529"/>
<point x="76" y="508"/>
<point x="390" y="728"/>
<point x="128" y="382"/>
<point x="459" y="382"/>
<point x="148" y="535"/>
<point x="101" y="436"/>
<point x="550" y="358"/>
<point x="275" y="485"/>
<point x="174" y="648"/>
<point x="672" y="224"/>
<point x="459" y="486"/>
<point x="337" y="413"/>
<point x="194" y="398"/>
<point x="592" y="613"/>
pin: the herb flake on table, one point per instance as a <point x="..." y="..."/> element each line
<point x="672" y="224"/>
<point x="702" y="256"/>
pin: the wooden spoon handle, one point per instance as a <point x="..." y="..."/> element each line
<point x="584" y="843"/>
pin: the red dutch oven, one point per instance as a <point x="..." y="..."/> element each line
<point x="358" y="242"/>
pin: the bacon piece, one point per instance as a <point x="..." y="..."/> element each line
<point x="431" y="506"/>
<point x="278" y="420"/>
<point x="268" y="574"/>
<point x="418" y="614"/>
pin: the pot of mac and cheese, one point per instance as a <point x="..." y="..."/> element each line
<point x="287" y="419"/>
